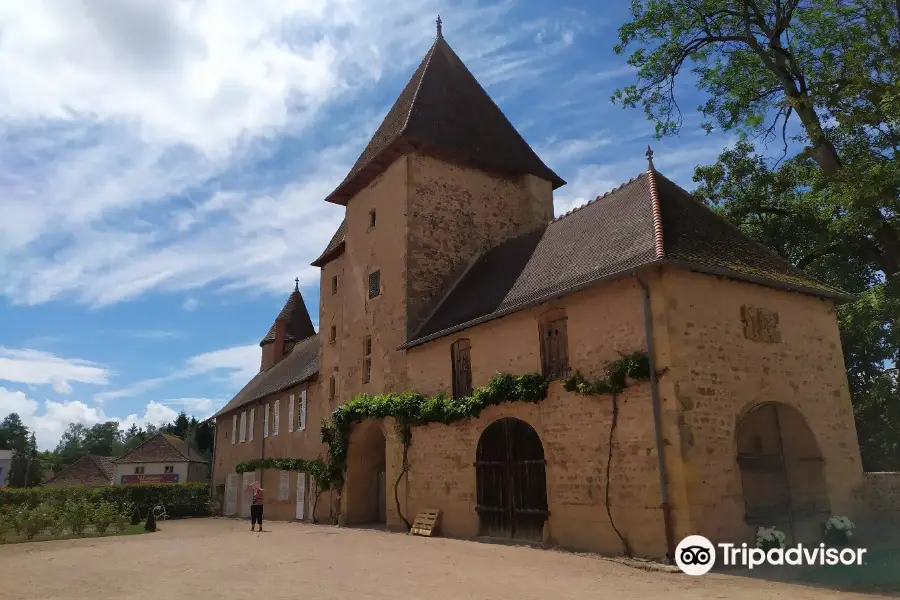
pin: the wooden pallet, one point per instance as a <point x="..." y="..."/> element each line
<point x="426" y="522"/>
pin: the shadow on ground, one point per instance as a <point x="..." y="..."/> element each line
<point x="879" y="574"/>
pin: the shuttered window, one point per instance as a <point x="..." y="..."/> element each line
<point x="554" y="344"/>
<point x="374" y="284"/>
<point x="291" y="414"/>
<point x="301" y="420"/>
<point x="460" y="355"/>
<point x="243" y="426"/>
<point x="284" y="486"/>
<point x="266" y="422"/>
<point x="252" y="423"/>
<point x="234" y="429"/>
<point x="276" y="414"/>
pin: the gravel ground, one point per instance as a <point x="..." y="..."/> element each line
<point x="212" y="559"/>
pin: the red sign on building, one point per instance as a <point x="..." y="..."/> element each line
<point x="166" y="478"/>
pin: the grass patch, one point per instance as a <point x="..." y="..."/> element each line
<point x="20" y="539"/>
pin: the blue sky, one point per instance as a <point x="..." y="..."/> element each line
<point x="163" y="167"/>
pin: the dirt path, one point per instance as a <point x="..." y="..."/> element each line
<point x="217" y="558"/>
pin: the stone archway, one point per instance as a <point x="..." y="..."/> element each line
<point x="511" y="481"/>
<point x="364" y="487"/>
<point x="782" y="472"/>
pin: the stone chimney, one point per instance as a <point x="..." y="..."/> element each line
<point x="279" y="341"/>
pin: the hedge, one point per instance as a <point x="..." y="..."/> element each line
<point x="180" y="500"/>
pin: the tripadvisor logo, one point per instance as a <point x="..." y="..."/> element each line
<point x="696" y="555"/>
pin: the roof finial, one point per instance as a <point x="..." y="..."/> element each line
<point x="649" y="156"/>
<point x="440" y="33"/>
<point x="296" y="284"/>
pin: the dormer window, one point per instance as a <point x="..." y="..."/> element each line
<point x="372" y="218"/>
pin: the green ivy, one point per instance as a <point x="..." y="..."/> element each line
<point x="630" y="366"/>
<point x="412" y="409"/>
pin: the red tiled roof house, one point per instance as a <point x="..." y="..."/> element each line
<point x="163" y="458"/>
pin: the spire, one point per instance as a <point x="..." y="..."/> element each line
<point x="649" y="156"/>
<point x="443" y="110"/>
<point x="297" y="324"/>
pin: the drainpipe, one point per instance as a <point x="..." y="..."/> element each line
<point x="657" y="422"/>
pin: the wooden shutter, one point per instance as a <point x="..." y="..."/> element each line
<point x="234" y="428"/>
<point x="266" y="423"/>
<point x="252" y="423"/>
<point x="276" y="413"/>
<point x="291" y="414"/>
<point x="462" y="368"/>
<point x="303" y="410"/>
<point x="231" y="494"/>
<point x="284" y="486"/>
<point x="554" y="344"/>
<point x="301" y="496"/>
<point x="243" y="437"/>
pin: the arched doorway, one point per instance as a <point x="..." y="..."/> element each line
<point x="782" y="472"/>
<point x="364" y="487"/>
<point x="511" y="481"/>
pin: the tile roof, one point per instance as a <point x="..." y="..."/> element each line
<point x="90" y="470"/>
<point x="297" y="324"/>
<point x="300" y="364"/>
<point x="444" y="109"/>
<point x="334" y="247"/>
<point x="649" y="220"/>
<point x="162" y="447"/>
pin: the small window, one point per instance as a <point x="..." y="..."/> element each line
<point x="332" y="334"/>
<point x="554" y="344"/>
<point x="139" y="470"/>
<point x="371" y="218"/>
<point x="169" y="469"/>
<point x="367" y="359"/>
<point x="331" y="388"/>
<point x="374" y="284"/>
<point x="334" y="285"/>
<point x="462" y="368"/>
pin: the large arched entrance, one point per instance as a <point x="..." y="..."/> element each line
<point x="364" y="486"/>
<point x="511" y="480"/>
<point x="782" y="472"/>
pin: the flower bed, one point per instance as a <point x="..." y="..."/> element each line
<point x="76" y="518"/>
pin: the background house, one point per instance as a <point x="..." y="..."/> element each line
<point x="89" y="470"/>
<point x="161" y="459"/>
<point x="5" y="462"/>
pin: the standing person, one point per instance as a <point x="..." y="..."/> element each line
<point x="256" y="506"/>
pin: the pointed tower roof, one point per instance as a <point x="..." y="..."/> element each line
<point x="297" y="324"/>
<point x="444" y="110"/>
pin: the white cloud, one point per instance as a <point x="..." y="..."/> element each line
<point x="35" y="367"/>
<point x="202" y="408"/>
<point x="129" y="132"/>
<point x="235" y="366"/>
<point x="49" y="424"/>
<point x="190" y="304"/>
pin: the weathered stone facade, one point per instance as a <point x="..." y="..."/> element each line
<point x="754" y="407"/>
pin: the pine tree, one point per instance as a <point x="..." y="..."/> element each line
<point x="150" y="525"/>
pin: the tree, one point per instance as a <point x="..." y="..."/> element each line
<point x="832" y="64"/>
<point x="102" y="439"/>
<point x="13" y="433"/>
<point x="25" y="468"/>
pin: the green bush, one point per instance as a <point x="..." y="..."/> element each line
<point x="181" y="500"/>
<point x="37" y="519"/>
<point x="78" y="515"/>
<point x="104" y="515"/>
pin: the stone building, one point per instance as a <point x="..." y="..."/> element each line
<point x="450" y="267"/>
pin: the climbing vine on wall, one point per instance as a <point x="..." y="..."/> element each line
<point x="412" y="409"/>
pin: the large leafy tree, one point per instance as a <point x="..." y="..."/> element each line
<point x="830" y="67"/>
